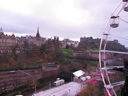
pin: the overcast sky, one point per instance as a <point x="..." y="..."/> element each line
<point x="64" y="18"/>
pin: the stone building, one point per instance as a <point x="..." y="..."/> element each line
<point x="50" y="69"/>
<point x="37" y="41"/>
<point x="7" y="42"/>
<point x="89" y="41"/>
<point x="69" y="42"/>
<point x="53" y="43"/>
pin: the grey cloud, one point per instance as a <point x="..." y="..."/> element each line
<point x="100" y="10"/>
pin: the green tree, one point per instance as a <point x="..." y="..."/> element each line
<point x="67" y="46"/>
<point x="11" y="62"/>
<point x="42" y="48"/>
<point x="5" y="66"/>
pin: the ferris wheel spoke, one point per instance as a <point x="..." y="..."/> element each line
<point x="118" y="83"/>
<point x="112" y="85"/>
<point x="110" y="51"/>
<point x="111" y="67"/>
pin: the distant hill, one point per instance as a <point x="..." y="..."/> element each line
<point x="93" y="44"/>
<point x="115" y="46"/>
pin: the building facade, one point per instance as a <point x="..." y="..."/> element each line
<point x="7" y="42"/>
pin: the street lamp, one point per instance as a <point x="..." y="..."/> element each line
<point x="69" y="92"/>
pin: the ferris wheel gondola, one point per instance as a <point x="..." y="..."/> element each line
<point x="114" y="60"/>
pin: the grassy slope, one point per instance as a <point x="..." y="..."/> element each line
<point x="67" y="52"/>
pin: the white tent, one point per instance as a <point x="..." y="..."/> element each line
<point x="78" y="73"/>
<point x="83" y="78"/>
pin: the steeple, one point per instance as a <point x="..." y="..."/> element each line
<point x="38" y="34"/>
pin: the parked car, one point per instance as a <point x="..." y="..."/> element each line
<point x="59" y="82"/>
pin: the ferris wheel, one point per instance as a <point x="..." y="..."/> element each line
<point x="113" y="61"/>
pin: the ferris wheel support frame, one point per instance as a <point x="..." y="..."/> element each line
<point x="103" y="59"/>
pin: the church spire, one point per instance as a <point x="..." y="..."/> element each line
<point x="38" y="34"/>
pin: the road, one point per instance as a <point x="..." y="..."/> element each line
<point x="69" y="89"/>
